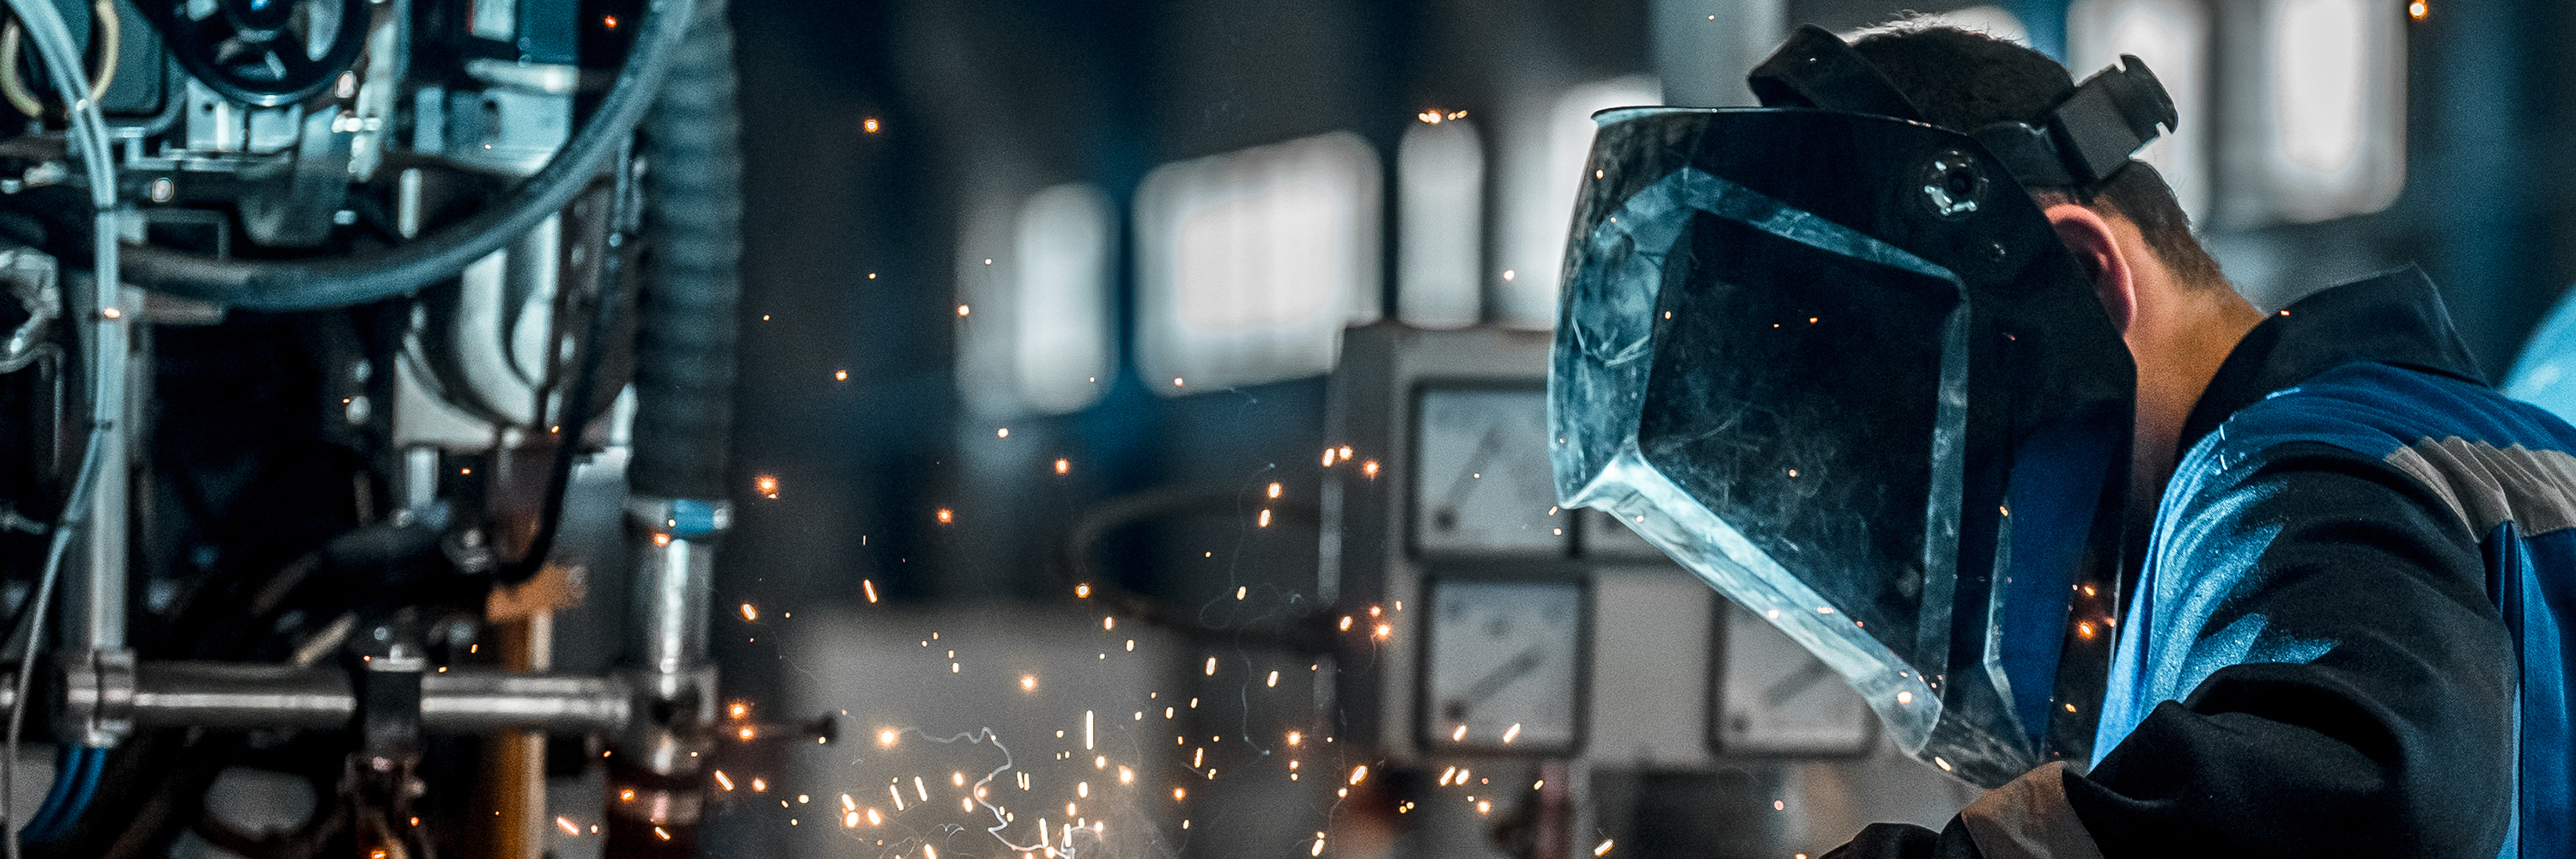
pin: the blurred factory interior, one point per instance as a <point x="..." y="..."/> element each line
<point x="1137" y="426"/>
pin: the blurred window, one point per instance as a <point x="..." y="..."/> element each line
<point x="1035" y="322"/>
<point x="1250" y="263"/>
<point x="2332" y="127"/>
<point x="1440" y="243"/>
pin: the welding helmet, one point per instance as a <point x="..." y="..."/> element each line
<point x="1834" y="361"/>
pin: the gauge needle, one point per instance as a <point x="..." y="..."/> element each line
<point x="1798" y="681"/>
<point x="1502" y="677"/>
<point x="1483" y="455"/>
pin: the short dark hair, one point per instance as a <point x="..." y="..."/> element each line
<point x="1963" y="80"/>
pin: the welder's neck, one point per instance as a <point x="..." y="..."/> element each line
<point x="2178" y="351"/>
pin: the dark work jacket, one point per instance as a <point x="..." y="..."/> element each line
<point x="2347" y="639"/>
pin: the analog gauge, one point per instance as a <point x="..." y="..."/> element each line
<point x="1482" y="483"/>
<point x="1775" y="698"/>
<point x="1504" y="667"/>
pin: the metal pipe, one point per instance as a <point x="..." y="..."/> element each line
<point x="458" y="700"/>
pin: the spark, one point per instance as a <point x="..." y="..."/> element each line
<point x="947" y="516"/>
<point x="1176" y="381"/>
<point x="874" y="818"/>
<point x="963" y="310"/>
<point x="566" y="824"/>
<point x="750" y="613"/>
<point x="1274" y="490"/>
<point x="1126" y="776"/>
<point x="1484" y="807"/>
<point x="1265" y="519"/>
<point x="1028" y="682"/>
<point x="1241" y="590"/>
<point x="849" y="820"/>
<point x="886" y="737"/>
<point x="1512" y="733"/>
<point x="1274" y="679"/>
<point x="1359" y="773"/>
<point x="759" y="786"/>
<point x="747" y="733"/>
<point x="1445" y="776"/>
<point x="840" y="375"/>
<point x="1179" y="794"/>
<point x="1062" y="466"/>
<point x="1945" y="765"/>
<point x="871" y="125"/>
<point x="1211" y="666"/>
<point x="740" y="709"/>
<point x="919" y="789"/>
<point x="1319" y="845"/>
<point x="1904" y="698"/>
<point x="1328" y="457"/>
<point x="870" y="587"/>
<point x="1082" y="591"/>
<point x="1346" y="623"/>
<point x="1383" y="630"/>
<point x="1002" y="432"/>
<point x="848" y="804"/>
<point x="2084" y="629"/>
<point x="724" y="780"/>
<point x="1108" y="622"/>
<point x="1603" y="849"/>
<point x="1082" y="789"/>
<point x="1508" y="274"/>
<point x="767" y="485"/>
<point x="1294" y="736"/>
<point x="1369" y="468"/>
<point x="1086" y="730"/>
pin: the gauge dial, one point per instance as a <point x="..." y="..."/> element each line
<point x="1504" y="670"/>
<point x="1775" y="698"/>
<point x="1482" y="482"/>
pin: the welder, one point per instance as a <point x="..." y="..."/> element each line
<point x="1916" y="362"/>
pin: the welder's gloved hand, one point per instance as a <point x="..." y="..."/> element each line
<point x="2026" y="817"/>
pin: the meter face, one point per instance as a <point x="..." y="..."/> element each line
<point x="1482" y="484"/>
<point x="1504" y="671"/>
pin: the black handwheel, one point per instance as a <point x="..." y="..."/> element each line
<point x="260" y="51"/>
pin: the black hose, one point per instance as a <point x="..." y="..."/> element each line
<point x="573" y="409"/>
<point x="360" y="278"/>
<point x="685" y="309"/>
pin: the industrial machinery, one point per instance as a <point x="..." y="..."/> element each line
<point x="319" y="310"/>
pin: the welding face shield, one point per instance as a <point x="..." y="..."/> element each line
<point x="1838" y="365"/>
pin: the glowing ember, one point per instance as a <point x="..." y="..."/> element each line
<point x="750" y="613"/>
<point x="1602" y="849"/>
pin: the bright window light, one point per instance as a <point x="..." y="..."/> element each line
<point x="1547" y="147"/>
<point x="2322" y="135"/>
<point x="1250" y="263"/>
<point x="1035" y="328"/>
<point x="1440" y="243"/>
<point x="2318" y="95"/>
<point x="2172" y="37"/>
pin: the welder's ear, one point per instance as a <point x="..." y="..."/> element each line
<point x="2097" y="250"/>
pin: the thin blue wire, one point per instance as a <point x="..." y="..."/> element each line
<point x="67" y="764"/>
<point x="76" y="780"/>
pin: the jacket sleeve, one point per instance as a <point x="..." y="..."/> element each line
<point x="2350" y="688"/>
<point x="2351" y="683"/>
